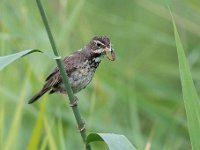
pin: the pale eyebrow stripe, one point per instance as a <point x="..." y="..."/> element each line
<point x="99" y="42"/>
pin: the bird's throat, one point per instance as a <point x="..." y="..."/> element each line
<point x="94" y="61"/>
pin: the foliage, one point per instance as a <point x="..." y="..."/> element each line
<point x="6" y="60"/>
<point x="114" y="141"/>
<point x="190" y="96"/>
<point x="139" y="95"/>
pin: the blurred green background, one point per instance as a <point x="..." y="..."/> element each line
<point x="139" y="95"/>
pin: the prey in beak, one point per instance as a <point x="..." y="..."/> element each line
<point x="110" y="53"/>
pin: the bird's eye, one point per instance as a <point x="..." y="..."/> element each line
<point x="99" y="44"/>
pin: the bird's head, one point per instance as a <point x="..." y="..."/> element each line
<point x="101" y="45"/>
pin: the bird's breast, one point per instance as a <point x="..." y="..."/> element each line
<point x="82" y="76"/>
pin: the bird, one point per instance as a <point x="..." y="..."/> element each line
<point x="80" y="67"/>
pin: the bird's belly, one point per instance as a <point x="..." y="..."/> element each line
<point x="80" y="79"/>
<point x="77" y="82"/>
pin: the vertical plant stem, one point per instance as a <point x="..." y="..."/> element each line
<point x="65" y="79"/>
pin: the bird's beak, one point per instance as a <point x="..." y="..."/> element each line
<point x="110" y="54"/>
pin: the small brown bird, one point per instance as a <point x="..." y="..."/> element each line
<point x="80" y="67"/>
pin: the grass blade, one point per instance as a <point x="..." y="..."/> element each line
<point x="190" y="96"/>
<point x="44" y="144"/>
<point x="2" y="115"/>
<point x="50" y="137"/>
<point x="61" y="135"/>
<point x="6" y="60"/>
<point x="36" y="134"/>
<point x="15" y="125"/>
<point x="113" y="141"/>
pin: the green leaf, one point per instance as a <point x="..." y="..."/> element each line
<point x="6" y="60"/>
<point x="113" y="141"/>
<point x="190" y="96"/>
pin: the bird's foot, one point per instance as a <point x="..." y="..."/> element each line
<point x="74" y="103"/>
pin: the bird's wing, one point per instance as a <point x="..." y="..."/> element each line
<point x="70" y="64"/>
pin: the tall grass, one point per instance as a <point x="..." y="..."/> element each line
<point x="191" y="99"/>
<point x="139" y="95"/>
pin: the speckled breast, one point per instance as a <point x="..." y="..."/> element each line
<point x="82" y="76"/>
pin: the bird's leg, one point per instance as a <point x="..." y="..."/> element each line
<point x="75" y="102"/>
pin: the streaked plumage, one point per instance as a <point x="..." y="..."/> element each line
<point x="80" y="67"/>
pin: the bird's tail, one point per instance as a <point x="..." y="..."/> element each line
<point x="38" y="95"/>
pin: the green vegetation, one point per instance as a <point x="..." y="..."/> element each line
<point x="139" y="95"/>
<point x="190" y="96"/>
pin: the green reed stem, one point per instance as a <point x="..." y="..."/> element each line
<point x="65" y="78"/>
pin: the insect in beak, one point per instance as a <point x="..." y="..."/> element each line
<point x="110" y="54"/>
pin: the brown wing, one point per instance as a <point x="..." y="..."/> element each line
<point x="70" y="65"/>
